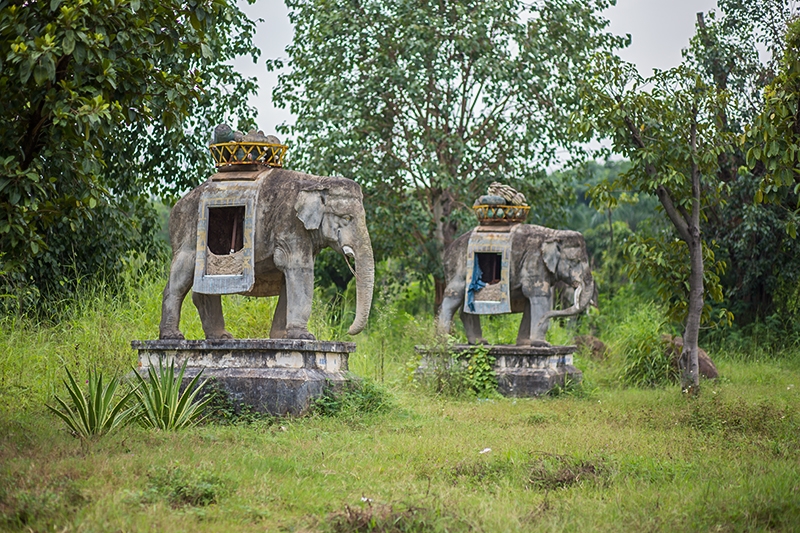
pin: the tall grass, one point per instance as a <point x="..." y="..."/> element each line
<point x="623" y="459"/>
<point x="96" y="332"/>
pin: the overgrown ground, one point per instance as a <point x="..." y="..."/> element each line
<point x="599" y="458"/>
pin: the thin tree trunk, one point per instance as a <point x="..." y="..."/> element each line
<point x="690" y="376"/>
<point x="442" y="204"/>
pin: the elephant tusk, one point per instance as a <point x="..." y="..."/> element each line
<point x="346" y="250"/>
<point x="577" y="295"/>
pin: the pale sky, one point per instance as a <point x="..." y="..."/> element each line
<point x="659" y="29"/>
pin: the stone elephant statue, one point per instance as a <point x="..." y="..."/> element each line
<point x="296" y="216"/>
<point x="540" y="257"/>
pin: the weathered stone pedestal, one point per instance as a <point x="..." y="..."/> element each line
<point x="279" y="377"/>
<point x="526" y="371"/>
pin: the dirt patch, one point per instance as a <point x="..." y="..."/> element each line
<point x="551" y="471"/>
<point x="392" y="518"/>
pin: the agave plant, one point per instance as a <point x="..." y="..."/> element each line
<point x="95" y="412"/>
<point x="160" y="403"/>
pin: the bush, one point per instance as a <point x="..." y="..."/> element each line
<point x="638" y="340"/>
<point x="161" y="405"/>
<point x="94" y="412"/>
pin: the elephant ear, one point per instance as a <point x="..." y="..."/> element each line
<point x="309" y="207"/>
<point x="551" y="254"/>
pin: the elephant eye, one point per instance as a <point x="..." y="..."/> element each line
<point x="347" y="218"/>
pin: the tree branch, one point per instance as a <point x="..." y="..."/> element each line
<point x="664" y="196"/>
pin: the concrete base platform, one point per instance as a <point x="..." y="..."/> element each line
<point x="275" y="376"/>
<point x="526" y="371"/>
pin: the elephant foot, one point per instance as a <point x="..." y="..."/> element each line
<point x="479" y="340"/>
<point x="222" y="335"/>
<point x="171" y="336"/>
<point x="533" y="342"/>
<point x="299" y="333"/>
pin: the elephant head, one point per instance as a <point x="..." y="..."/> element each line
<point x="333" y="212"/>
<point x="566" y="258"/>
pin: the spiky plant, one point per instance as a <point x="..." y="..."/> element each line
<point x="95" y="412"/>
<point x="161" y="405"/>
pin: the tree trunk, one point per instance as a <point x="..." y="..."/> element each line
<point x="442" y="204"/>
<point x="690" y="376"/>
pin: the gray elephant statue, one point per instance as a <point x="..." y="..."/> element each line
<point x="540" y="257"/>
<point x="296" y="216"/>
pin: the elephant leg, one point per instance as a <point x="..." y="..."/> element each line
<point x="453" y="299"/>
<point x="472" y="327"/>
<point x="210" y="308"/>
<point x="524" y="335"/>
<point x="539" y="306"/>
<point x="299" y="287"/>
<point x="278" y="329"/>
<point x="530" y="332"/>
<point x="181" y="277"/>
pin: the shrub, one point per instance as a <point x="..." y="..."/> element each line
<point x="94" y="412"/>
<point x="354" y="397"/>
<point x="638" y="340"/>
<point x="161" y="405"/>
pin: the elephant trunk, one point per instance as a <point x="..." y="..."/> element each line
<point x="365" y="281"/>
<point x="583" y="297"/>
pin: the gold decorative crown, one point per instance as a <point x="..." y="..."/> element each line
<point x="248" y="153"/>
<point x="501" y="214"/>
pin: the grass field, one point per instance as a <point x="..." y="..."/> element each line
<point x="602" y="457"/>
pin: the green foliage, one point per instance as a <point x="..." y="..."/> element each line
<point x="424" y="104"/>
<point x="480" y="375"/>
<point x="353" y="398"/>
<point x="96" y="411"/>
<point x="106" y="103"/>
<point x="773" y="140"/>
<point x="713" y="414"/>
<point x="160" y="403"/>
<point x="467" y="374"/>
<point x="623" y="459"/>
<point x="197" y="486"/>
<point x="574" y="389"/>
<point x="665" y="260"/>
<point x="637" y="340"/>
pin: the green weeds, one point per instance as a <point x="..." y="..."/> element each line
<point x="26" y="505"/>
<point x="550" y="471"/>
<point x="95" y="412"/>
<point x="221" y="409"/>
<point x="179" y="486"/>
<point x="353" y="398"/>
<point x="160" y="402"/>
<point x="466" y="374"/>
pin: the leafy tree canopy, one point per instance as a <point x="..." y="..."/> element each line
<point x="425" y="103"/>
<point x="106" y="102"/>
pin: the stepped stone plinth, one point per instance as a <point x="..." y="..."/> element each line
<point x="522" y="371"/>
<point x="275" y="376"/>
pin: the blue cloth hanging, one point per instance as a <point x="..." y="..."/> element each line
<point x="475" y="285"/>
